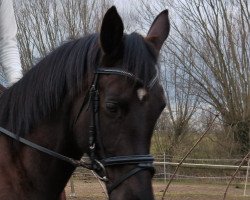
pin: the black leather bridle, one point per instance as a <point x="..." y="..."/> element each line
<point x="140" y="162"/>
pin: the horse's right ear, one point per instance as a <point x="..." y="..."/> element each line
<point x="159" y="30"/>
<point x="111" y="31"/>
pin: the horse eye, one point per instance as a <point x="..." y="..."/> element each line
<point x="112" y="107"/>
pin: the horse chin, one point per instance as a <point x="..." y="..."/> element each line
<point x="123" y="194"/>
<point x="138" y="187"/>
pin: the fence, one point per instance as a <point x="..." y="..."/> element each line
<point x="192" y="169"/>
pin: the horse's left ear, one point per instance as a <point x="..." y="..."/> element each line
<point x="111" y="31"/>
<point x="159" y="30"/>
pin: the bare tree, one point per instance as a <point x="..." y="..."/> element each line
<point x="182" y="102"/>
<point x="210" y="40"/>
<point x="218" y="38"/>
<point x="44" y="24"/>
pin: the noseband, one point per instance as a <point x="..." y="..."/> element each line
<point x="140" y="162"/>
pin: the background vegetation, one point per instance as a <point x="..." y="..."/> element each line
<point x="205" y="63"/>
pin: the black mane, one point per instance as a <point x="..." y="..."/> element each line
<point x="65" y="72"/>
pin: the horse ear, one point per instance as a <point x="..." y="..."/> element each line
<point x="111" y="31"/>
<point x="159" y="30"/>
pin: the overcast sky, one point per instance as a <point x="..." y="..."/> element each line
<point x="128" y="10"/>
<point x="121" y="4"/>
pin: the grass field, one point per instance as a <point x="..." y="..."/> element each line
<point x="177" y="191"/>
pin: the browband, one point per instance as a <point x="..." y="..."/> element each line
<point x="121" y="72"/>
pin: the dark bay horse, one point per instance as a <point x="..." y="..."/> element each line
<point x="99" y="95"/>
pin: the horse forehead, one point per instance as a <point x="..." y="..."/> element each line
<point x="119" y="85"/>
<point x="116" y="83"/>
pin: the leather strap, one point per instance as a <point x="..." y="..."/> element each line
<point x="114" y="71"/>
<point x="127" y="160"/>
<point x="132" y="172"/>
<point x="75" y="163"/>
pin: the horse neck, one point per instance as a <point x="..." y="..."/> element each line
<point x="56" y="134"/>
<point x="33" y="173"/>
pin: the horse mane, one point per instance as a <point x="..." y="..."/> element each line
<point x="65" y="72"/>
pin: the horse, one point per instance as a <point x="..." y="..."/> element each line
<point x="98" y="95"/>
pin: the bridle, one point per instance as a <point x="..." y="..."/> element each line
<point x="140" y="162"/>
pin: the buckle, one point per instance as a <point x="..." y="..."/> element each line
<point x="99" y="167"/>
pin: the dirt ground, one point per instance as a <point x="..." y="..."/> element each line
<point x="177" y="191"/>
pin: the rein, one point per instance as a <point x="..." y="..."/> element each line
<point x="141" y="162"/>
<point x="75" y="163"/>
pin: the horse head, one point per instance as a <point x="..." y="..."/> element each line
<point x="125" y="100"/>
